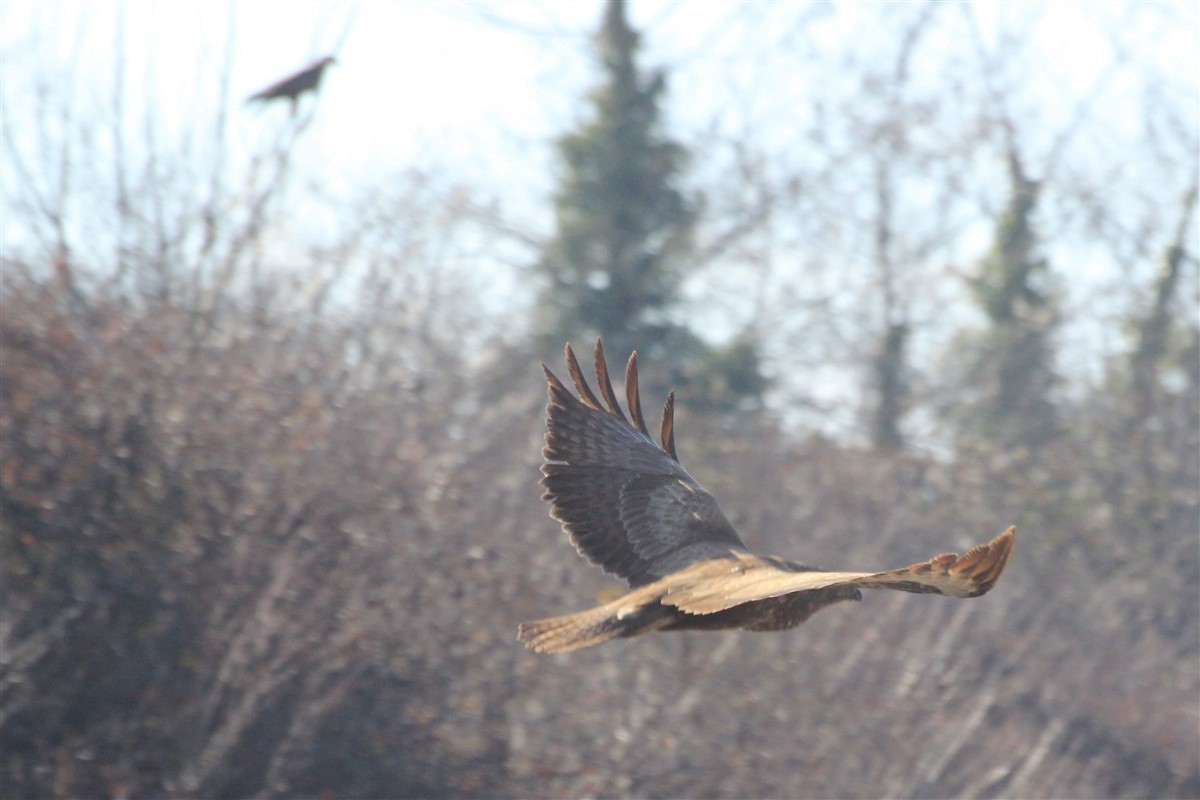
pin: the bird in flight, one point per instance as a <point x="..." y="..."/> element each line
<point x="291" y="87"/>
<point x="629" y="507"/>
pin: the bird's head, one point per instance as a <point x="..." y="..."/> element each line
<point x="838" y="593"/>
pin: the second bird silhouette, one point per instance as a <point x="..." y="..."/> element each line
<point x="291" y="87"/>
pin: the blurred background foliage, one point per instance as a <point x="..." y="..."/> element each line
<point x="268" y="502"/>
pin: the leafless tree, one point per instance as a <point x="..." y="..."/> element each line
<point x="268" y="524"/>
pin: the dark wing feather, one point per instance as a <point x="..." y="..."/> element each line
<point x="583" y="502"/>
<point x="632" y="398"/>
<point x="606" y="390"/>
<point x="581" y="384"/>
<point x="668" y="427"/>
<point x="626" y="503"/>
<point x="672" y="523"/>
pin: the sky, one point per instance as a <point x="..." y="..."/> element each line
<point x="410" y="75"/>
<point x="475" y="83"/>
<point x="479" y="91"/>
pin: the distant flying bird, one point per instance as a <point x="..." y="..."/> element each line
<point x="291" y="87"/>
<point x="628" y="506"/>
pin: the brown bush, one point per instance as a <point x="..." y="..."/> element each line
<point x="257" y="557"/>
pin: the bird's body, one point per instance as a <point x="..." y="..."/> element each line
<point x="629" y="506"/>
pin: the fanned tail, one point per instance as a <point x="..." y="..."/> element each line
<point x="561" y="634"/>
<point x="591" y="627"/>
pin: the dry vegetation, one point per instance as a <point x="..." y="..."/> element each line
<point x="248" y="555"/>
<point x="269" y="513"/>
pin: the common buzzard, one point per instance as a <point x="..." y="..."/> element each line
<point x="629" y="507"/>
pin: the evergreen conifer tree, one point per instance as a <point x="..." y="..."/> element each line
<point x="624" y="228"/>
<point x="624" y="233"/>
<point x="1013" y="361"/>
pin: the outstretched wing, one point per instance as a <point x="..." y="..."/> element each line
<point x="718" y="585"/>
<point x="624" y="501"/>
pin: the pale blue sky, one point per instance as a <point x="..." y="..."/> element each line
<point x="490" y="81"/>
<point x="478" y="91"/>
